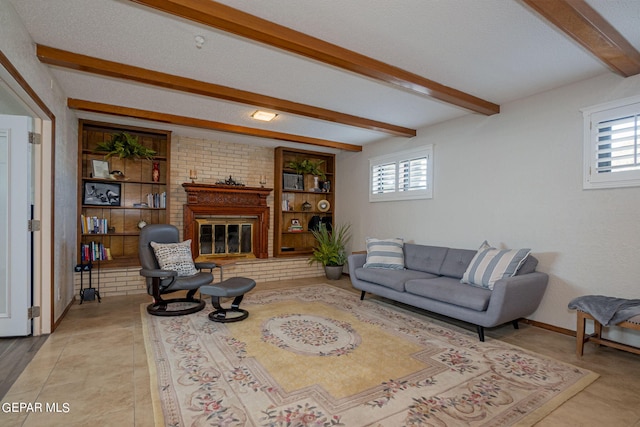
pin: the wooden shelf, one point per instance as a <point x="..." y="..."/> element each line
<point x="108" y="234"/>
<point x="123" y="243"/>
<point x="300" y="243"/>
<point x="85" y="151"/>
<point x="122" y="207"/>
<point x="122" y="181"/>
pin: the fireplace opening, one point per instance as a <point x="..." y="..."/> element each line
<point x="223" y="237"/>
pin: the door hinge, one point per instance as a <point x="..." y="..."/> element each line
<point x="34" y="225"/>
<point x="35" y="138"/>
<point x="33" y="312"/>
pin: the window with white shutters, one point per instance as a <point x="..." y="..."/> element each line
<point x="612" y="146"/>
<point x="402" y="176"/>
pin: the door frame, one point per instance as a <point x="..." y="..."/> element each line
<point x="43" y="259"/>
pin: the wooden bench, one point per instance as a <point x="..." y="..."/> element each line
<point x="596" y="337"/>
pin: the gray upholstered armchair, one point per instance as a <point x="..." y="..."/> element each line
<point x="168" y="267"/>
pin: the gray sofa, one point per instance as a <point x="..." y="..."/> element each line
<point x="431" y="281"/>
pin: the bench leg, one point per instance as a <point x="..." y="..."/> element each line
<point x="582" y="320"/>
<point x="597" y="330"/>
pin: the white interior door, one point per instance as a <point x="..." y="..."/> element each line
<point x="16" y="202"/>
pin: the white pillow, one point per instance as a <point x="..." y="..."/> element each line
<point x="385" y="253"/>
<point x="175" y="257"/>
<point x="490" y="265"/>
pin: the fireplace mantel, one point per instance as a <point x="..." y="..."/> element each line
<point x="225" y="195"/>
<point x="227" y="200"/>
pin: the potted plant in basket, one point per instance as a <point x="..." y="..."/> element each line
<point x="125" y="146"/>
<point x="329" y="249"/>
<point x="307" y="166"/>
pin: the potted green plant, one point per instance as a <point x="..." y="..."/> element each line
<point x="306" y="166"/>
<point x="125" y="146"/>
<point x="329" y="249"/>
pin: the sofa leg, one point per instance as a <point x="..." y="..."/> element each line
<point x="515" y="324"/>
<point x="362" y="295"/>
<point x="480" y="332"/>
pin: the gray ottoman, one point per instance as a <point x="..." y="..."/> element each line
<point x="235" y="287"/>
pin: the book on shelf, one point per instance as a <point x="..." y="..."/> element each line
<point x="157" y="200"/>
<point x="93" y="225"/>
<point x="94" y="251"/>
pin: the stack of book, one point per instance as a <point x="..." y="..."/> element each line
<point x="296" y="228"/>
<point x="94" y="251"/>
<point x="157" y="200"/>
<point x="93" y="225"/>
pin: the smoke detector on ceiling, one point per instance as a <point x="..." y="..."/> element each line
<point x="199" y="41"/>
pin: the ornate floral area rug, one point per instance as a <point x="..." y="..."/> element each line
<point x="318" y="356"/>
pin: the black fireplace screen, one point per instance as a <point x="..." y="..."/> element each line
<point x="225" y="238"/>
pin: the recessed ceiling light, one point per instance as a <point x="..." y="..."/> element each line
<point x="264" y="116"/>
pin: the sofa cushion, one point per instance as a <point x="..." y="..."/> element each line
<point x="451" y="291"/>
<point x="424" y="258"/>
<point x="385" y="253"/>
<point x="393" y="279"/>
<point x="456" y="262"/>
<point x="490" y="265"/>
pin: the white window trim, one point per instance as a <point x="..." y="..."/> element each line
<point x="596" y="114"/>
<point x="425" y="151"/>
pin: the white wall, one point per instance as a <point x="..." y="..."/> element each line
<point x="515" y="179"/>
<point x="17" y="46"/>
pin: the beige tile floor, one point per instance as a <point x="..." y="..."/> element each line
<point x="94" y="369"/>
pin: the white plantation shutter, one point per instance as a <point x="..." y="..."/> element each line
<point x="617" y="145"/>
<point x="401" y="176"/>
<point x="383" y="178"/>
<point x="413" y="174"/>
<point x="612" y="146"/>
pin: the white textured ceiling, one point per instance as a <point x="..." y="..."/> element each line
<point x="498" y="50"/>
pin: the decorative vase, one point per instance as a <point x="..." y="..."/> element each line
<point x="155" y="175"/>
<point x="316" y="183"/>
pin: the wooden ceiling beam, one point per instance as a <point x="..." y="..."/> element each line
<point x="586" y="26"/>
<point x="234" y="21"/>
<point x="96" y="107"/>
<point x="62" y="58"/>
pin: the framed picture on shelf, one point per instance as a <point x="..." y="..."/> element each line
<point x="100" y="169"/>
<point x="292" y="181"/>
<point x="101" y="193"/>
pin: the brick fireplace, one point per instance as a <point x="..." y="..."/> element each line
<point x="234" y="219"/>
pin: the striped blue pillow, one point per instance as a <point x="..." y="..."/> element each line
<point x="490" y="265"/>
<point x="385" y="253"/>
